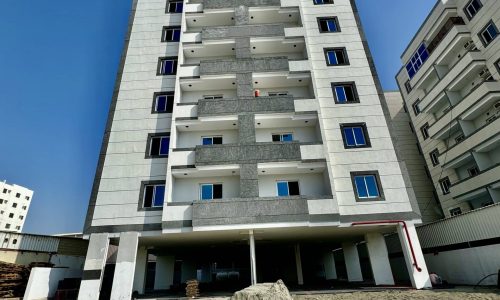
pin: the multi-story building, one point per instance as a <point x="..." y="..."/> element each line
<point x="15" y="202"/>
<point x="450" y="84"/>
<point x="246" y="141"/>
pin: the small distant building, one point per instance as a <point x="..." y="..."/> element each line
<point x="15" y="202"/>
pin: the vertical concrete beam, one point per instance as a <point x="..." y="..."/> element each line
<point x="244" y="85"/>
<point x="123" y="280"/>
<point x="140" y="269"/>
<point x="298" y="263"/>
<point x="246" y="129"/>
<point x="329" y="263"/>
<point x="419" y="280"/>
<point x="241" y="15"/>
<point x="94" y="266"/>
<point x="242" y="48"/>
<point x="352" y="264"/>
<point x="379" y="259"/>
<point x="253" y="262"/>
<point x="249" y="182"/>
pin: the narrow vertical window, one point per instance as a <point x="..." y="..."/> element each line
<point x="425" y="131"/>
<point x="328" y="24"/>
<point x="174" y="6"/>
<point x="472" y="8"/>
<point x="445" y="185"/>
<point x="416" y="108"/>
<point x="158" y="145"/>
<point x="489" y="33"/>
<point x="336" y="56"/>
<point x="434" y="155"/>
<point x="153" y="194"/>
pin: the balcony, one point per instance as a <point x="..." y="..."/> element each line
<point x="215" y="107"/>
<point x="216" y="4"/>
<point x="231" y="32"/>
<point x="268" y="64"/>
<point x="471" y="184"/>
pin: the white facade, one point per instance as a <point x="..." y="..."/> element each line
<point x="453" y="99"/>
<point x="15" y="202"/>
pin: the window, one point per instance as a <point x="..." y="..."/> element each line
<point x="355" y="135"/>
<point x="425" y="131"/>
<point x="163" y="102"/>
<point x="417" y="60"/>
<point x="1" y="212"/>
<point x="336" y="56"/>
<point x="153" y="194"/>
<point x="25" y="207"/>
<point x="445" y="185"/>
<point x="14" y="241"/>
<point x="345" y="92"/>
<point x="5" y="191"/>
<point x="434" y="155"/>
<point x="21" y="217"/>
<point x="472" y="8"/>
<point x="473" y="171"/>
<point x="497" y="65"/>
<point x="167" y="66"/>
<point x="209" y="191"/>
<point x="158" y="145"/>
<point x="416" y="108"/>
<point x="460" y="138"/>
<point x="455" y="211"/>
<point x="1" y="201"/>
<point x="317" y="2"/>
<point x="211" y="140"/>
<point x="212" y="97"/>
<point x="287" y="188"/>
<point x="329" y="24"/>
<point x="171" y="34"/>
<point x="489" y="33"/>
<point x="18" y="227"/>
<point x="366" y="185"/>
<point x="408" y="87"/>
<point x="18" y="195"/>
<point x="11" y="215"/>
<point x="282" y="137"/>
<point x="27" y="198"/>
<point x="7" y="226"/>
<point x="276" y="94"/>
<point x="174" y="6"/>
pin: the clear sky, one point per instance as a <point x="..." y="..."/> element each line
<point x="58" y="63"/>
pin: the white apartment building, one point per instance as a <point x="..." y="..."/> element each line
<point x="15" y="202"/>
<point x="246" y="141"/>
<point x="450" y="84"/>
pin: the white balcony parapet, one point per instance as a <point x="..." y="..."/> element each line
<point x="305" y="105"/>
<point x="182" y="158"/>
<point x="186" y="111"/>
<point x="299" y="65"/>
<point x="191" y="37"/>
<point x="309" y="152"/>
<point x="193" y="7"/>
<point x="189" y="71"/>
<point x="294" y="31"/>
<point x="289" y="3"/>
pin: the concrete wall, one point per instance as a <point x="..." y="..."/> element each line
<point x="43" y="282"/>
<point x="188" y="189"/>
<point x="20" y="212"/>
<point x="309" y="184"/>
<point x="164" y="277"/>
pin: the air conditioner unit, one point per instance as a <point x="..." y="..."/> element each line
<point x="484" y="73"/>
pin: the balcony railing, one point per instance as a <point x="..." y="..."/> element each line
<point x="453" y="21"/>
<point x="213" y="107"/>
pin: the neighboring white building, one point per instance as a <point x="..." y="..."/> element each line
<point x="450" y="84"/>
<point x="246" y="141"/>
<point x="15" y="202"/>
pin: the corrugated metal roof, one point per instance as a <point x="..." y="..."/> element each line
<point x="28" y="242"/>
<point x="475" y="225"/>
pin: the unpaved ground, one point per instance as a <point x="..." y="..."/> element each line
<point x="463" y="294"/>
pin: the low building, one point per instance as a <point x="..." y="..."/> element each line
<point x="15" y="202"/>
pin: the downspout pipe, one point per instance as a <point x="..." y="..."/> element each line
<point x="384" y="222"/>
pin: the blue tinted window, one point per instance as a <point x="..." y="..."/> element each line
<point x="354" y="136"/>
<point x="167" y="66"/>
<point x="161" y="103"/>
<point x="206" y="192"/>
<point x="341" y="96"/>
<point x="287" y="137"/>
<point x="366" y="186"/>
<point x="371" y="184"/>
<point x="417" y="60"/>
<point x="179" y="7"/>
<point x="177" y="35"/>
<point x="282" y="188"/>
<point x="331" y="25"/>
<point x="349" y="137"/>
<point x="165" y="141"/>
<point x="159" y="195"/>
<point x="359" y="135"/>
<point x="332" y="58"/>
<point x="207" y="141"/>
<point x="361" y="187"/>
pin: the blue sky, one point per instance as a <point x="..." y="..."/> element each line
<point x="58" y="62"/>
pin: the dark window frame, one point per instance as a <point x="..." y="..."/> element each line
<point x="212" y="184"/>
<point x="212" y="137"/>
<point x="456" y="211"/>
<point x="335" y="20"/>
<point x="365" y="134"/>
<point x="328" y="2"/>
<point x="374" y="173"/>
<point x="148" y="145"/>
<point x="167" y="8"/>
<point x="154" y="105"/>
<point x="142" y="190"/>
<point x="408" y="87"/>
<point x="159" y="67"/>
<point x="288" y="187"/>
<point x="424" y="130"/>
<point x="352" y="85"/>
<point x="480" y="34"/>
<point x="435" y="162"/>
<point x="469" y="17"/>
<point x="497" y="65"/>
<point x="445" y="189"/>
<point x="163" y="34"/>
<point x="344" y="51"/>
<point x="416" y="110"/>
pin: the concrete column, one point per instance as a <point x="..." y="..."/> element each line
<point x="298" y="263"/>
<point x="123" y="280"/>
<point x="94" y="266"/>
<point x="379" y="259"/>
<point x="353" y="266"/>
<point x="241" y="15"/>
<point x="242" y="49"/>
<point x="494" y="194"/>
<point x="249" y="182"/>
<point x="246" y="130"/>
<point x="329" y="263"/>
<point x="140" y="269"/>
<point x="253" y="262"/>
<point x="419" y="280"/>
<point x="244" y="85"/>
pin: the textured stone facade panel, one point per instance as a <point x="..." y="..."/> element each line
<point x="266" y="64"/>
<point x="227" y="32"/>
<point x="210" y="107"/>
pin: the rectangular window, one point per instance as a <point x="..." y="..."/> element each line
<point x="408" y="87"/>
<point x="277" y="94"/>
<point x="174" y="6"/>
<point x="11" y="215"/>
<point x="460" y="138"/>
<point x="416" y="108"/>
<point x="455" y="211"/>
<point x="5" y="191"/>
<point x="282" y="137"/>
<point x="445" y="185"/>
<point x="425" y="131"/>
<point x="328" y="24"/>
<point x="417" y="60"/>
<point x="472" y="8"/>
<point x="473" y="171"/>
<point x="25" y="207"/>
<point x="21" y="217"/>
<point x="154" y="195"/>
<point x="17" y="228"/>
<point x="211" y="140"/>
<point x="355" y="135"/>
<point x="366" y="185"/>
<point x="27" y="198"/>
<point x="171" y="34"/>
<point x="345" y="92"/>
<point x="7" y="226"/>
<point x="212" y="97"/>
<point x="318" y="2"/>
<point x="209" y="191"/>
<point x="14" y="205"/>
<point x="287" y="188"/>
<point x="336" y="56"/>
<point x="167" y="66"/>
<point x="158" y="144"/>
<point x="434" y="154"/>
<point x="489" y="33"/>
<point x="163" y="102"/>
<point x="18" y="195"/>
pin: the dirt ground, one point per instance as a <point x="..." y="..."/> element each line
<point x="459" y="293"/>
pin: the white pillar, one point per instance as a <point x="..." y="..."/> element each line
<point x="379" y="259"/>
<point x="298" y="263"/>
<point x="352" y="264"/>
<point x="329" y="263"/>
<point x="140" y="269"/>
<point x="94" y="266"/>
<point x="123" y="280"/>
<point x="419" y="280"/>
<point x="253" y="264"/>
